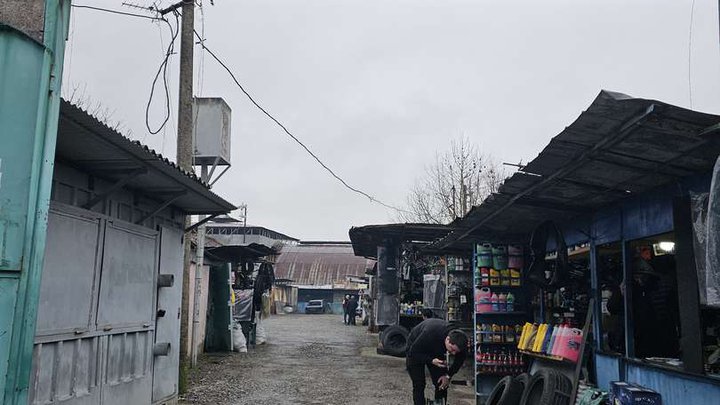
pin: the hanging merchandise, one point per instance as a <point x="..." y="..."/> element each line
<point x="541" y="272"/>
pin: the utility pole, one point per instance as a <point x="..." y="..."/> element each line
<point x="185" y="161"/>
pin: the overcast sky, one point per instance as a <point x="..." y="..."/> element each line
<point x="376" y="87"/>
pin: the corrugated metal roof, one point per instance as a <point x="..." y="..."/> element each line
<point x="320" y="264"/>
<point x="90" y="145"/>
<point x="619" y="147"/>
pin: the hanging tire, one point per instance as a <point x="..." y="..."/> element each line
<point x="547" y="387"/>
<point x="394" y="340"/>
<point x="507" y="391"/>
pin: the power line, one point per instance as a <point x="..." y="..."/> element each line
<point x="259" y="107"/>
<point x="163" y="69"/>
<point x="107" y="10"/>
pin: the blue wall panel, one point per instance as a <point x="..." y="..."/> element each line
<point x="607" y="226"/>
<point x="648" y="216"/>
<point x="675" y="389"/>
<point x="607" y="369"/>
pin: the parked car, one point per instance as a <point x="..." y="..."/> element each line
<point x="315" y="307"/>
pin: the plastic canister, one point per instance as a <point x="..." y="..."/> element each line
<point x="494" y="277"/>
<point x="553" y="336"/>
<point x="505" y="277"/>
<point x="571" y="349"/>
<point x="485" y="276"/>
<point x="502" y="302"/>
<point x="562" y="332"/>
<point x="495" y="302"/>
<point x="483" y="300"/>
<point x="515" y="277"/>
<point x="500" y="256"/>
<point x="515" y="256"/>
<point x="510" y="302"/>
<point x="484" y="255"/>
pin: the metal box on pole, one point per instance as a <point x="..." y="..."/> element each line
<point x="211" y="130"/>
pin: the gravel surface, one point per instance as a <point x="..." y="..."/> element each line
<point x="309" y="359"/>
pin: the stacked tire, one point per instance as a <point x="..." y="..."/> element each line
<point x="507" y="392"/>
<point x="546" y="387"/>
<point x="394" y="340"/>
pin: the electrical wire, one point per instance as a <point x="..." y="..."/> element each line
<point x="107" y="10"/>
<point x="275" y="120"/>
<point x="163" y="70"/>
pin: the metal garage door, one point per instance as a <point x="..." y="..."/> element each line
<point x="96" y="315"/>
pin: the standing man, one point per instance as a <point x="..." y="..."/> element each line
<point x="345" y="302"/>
<point x="352" y="309"/>
<point x="428" y="344"/>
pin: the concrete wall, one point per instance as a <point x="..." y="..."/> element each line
<point x="27" y="16"/>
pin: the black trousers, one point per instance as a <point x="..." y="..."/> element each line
<point x="351" y="318"/>
<point x="345" y="317"/>
<point x="417" y="375"/>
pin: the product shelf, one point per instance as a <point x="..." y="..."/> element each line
<point x="497" y="313"/>
<point x="547" y="357"/>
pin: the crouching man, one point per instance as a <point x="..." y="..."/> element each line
<point x="428" y="346"/>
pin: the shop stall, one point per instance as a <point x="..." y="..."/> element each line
<point x="615" y="218"/>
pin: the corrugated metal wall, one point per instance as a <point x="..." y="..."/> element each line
<point x="97" y="312"/>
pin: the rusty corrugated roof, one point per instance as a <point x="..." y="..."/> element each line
<point x="320" y="263"/>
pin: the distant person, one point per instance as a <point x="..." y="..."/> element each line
<point x="345" y="303"/>
<point x="427" y="313"/>
<point x="352" y="309"/>
<point x="428" y="345"/>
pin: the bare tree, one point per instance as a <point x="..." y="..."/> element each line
<point x="460" y="178"/>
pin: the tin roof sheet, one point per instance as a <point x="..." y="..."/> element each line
<point x="89" y="144"/>
<point x="619" y="147"/>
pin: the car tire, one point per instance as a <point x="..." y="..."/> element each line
<point x="547" y="387"/>
<point x="523" y="379"/>
<point x="508" y="391"/>
<point x="394" y="340"/>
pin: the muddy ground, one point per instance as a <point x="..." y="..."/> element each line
<point x="309" y="359"/>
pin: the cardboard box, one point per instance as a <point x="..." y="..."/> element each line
<point x="623" y="393"/>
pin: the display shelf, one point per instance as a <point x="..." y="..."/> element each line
<point x="498" y="313"/>
<point x="497" y="343"/>
<point x="496" y="373"/>
<point x="547" y="357"/>
<point x="502" y="287"/>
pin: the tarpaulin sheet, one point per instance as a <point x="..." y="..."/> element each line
<point x="433" y="291"/>
<point x="242" y="311"/>
<point x="712" y="258"/>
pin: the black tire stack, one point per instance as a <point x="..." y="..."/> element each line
<point x="545" y="387"/>
<point x="394" y="340"/>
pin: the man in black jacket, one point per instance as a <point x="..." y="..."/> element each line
<point x="352" y="309"/>
<point x="427" y="346"/>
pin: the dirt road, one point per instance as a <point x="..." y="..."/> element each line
<point x="310" y="359"/>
